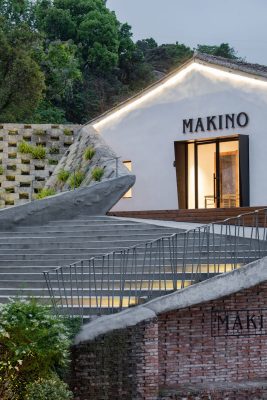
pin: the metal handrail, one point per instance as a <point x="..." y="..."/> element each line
<point x="126" y="277"/>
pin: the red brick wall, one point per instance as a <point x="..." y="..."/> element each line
<point x="178" y="348"/>
<point x="121" y="365"/>
<point x="189" y="353"/>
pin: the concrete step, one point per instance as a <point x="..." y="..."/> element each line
<point x="25" y="272"/>
<point x="93" y="246"/>
<point x="82" y="226"/>
<point x="95" y="281"/>
<point x="87" y="221"/>
<point x="40" y="292"/>
<point x="47" y="262"/>
<point x="28" y="251"/>
<point x="87" y="232"/>
<point x="72" y="240"/>
<point x="62" y="254"/>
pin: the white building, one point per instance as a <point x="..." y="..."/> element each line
<point x="195" y="139"/>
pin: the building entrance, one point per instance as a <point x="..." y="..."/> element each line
<point x="209" y="173"/>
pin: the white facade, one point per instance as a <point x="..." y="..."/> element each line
<point x="144" y="130"/>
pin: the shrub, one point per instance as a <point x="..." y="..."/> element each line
<point x="33" y="343"/>
<point x="44" y="389"/>
<point x="67" y="132"/>
<point x="1" y="170"/>
<point x="24" y="147"/>
<point x="89" y="153"/>
<point x="97" y="173"/>
<point x="45" y="192"/>
<point x="76" y="179"/>
<point x="63" y="175"/>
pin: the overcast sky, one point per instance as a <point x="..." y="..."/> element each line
<point x="242" y="23"/>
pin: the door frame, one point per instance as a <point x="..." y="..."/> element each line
<point x="181" y="163"/>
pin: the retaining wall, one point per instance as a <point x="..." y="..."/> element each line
<point x="212" y="350"/>
<point x="21" y="175"/>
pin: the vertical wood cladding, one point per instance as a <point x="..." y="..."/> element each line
<point x="176" y="350"/>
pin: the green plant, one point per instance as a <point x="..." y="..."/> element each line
<point x="7" y="203"/>
<point x="52" y="389"/>
<point x="52" y="162"/>
<point x="68" y="132"/>
<point x="76" y="179"/>
<point x="12" y="155"/>
<point x="38" y="152"/>
<point x="45" y="192"/>
<point x="12" y="167"/>
<point x="97" y="173"/>
<point x="63" y="175"/>
<point x="39" y="132"/>
<point x="89" y="153"/>
<point x="24" y="147"/>
<point x="1" y="170"/>
<point x="11" y="178"/>
<point x="33" y="343"/>
<point x="54" y="150"/>
<point x="10" y="190"/>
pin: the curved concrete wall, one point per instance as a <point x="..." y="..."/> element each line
<point x="94" y="200"/>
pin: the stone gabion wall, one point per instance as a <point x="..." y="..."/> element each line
<point x="176" y="356"/>
<point x="22" y="176"/>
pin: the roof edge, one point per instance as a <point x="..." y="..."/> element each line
<point x="143" y="91"/>
<point x="255" y="71"/>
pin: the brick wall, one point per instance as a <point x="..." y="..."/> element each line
<point x="180" y="352"/>
<point x="121" y="365"/>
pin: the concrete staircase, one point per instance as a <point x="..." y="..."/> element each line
<point x="27" y="251"/>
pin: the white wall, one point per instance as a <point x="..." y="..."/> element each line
<point x="145" y="134"/>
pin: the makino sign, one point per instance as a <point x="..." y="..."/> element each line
<point x="239" y="322"/>
<point x="215" y="122"/>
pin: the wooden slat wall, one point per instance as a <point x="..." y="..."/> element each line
<point x="200" y="215"/>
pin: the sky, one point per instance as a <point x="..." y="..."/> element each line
<point x="241" y="23"/>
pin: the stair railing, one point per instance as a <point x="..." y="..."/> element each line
<point x="127" y="277"/>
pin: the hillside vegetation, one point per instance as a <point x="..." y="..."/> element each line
<point x="71" y="60"/>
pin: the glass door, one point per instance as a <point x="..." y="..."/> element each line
<point x="229" y="174"/>
<point x="206" y="175"/>
<point x="213" y="173"/>
<point x="216" y="166"/>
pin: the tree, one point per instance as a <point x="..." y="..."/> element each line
<point x="70" y="60"/>
<point x="61" y="68"/>
<point x="223" y="50"/>
<point x="167" y="56"/>
<point x="145" y="45"/>
<point x="21" y="79"/>
<point x="17" y="11"/>
<point x="88" y="23"/>
<point x="112" y="67"/>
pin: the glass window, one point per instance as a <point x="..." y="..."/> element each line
<point x="128" y="165"/>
